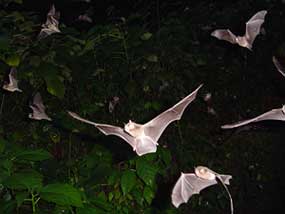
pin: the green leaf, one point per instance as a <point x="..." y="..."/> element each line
<point x="152" y="58"/>
<point x="24" y="180"/>
<point x="128" y="181"/>
<point x="34" y="155"/>
<point x="20" y="197"/>
<point x="146" y="36"/>
<point x="55" y="86"/>
<point x="61" y="194"/>
<point x="89" y="210"/>
<point x="13" y="60"/>
<point x="146" y="171"/>
<point x="148" y="194"/>
<point x="101" y="201"/>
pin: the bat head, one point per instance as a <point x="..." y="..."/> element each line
<point x="205" y="173"/>
<point x="133" y="129"/>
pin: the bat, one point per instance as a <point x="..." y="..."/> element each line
<point x="51" y="25"/>
<point x="143" y="137"/>
<point x="189" y="184"/>
<point x="280" y="67"/>
<point x="38" y="109"/>
<point x="274" y="114"/>
<point x="112" y="104"/>
<point x="251" y="31"/>
<point x="12" y="85"/>
<point x="85" y="18"/>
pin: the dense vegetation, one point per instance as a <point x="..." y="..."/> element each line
<point x="149" y="54"/>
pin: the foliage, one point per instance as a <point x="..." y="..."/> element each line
<point x="149" y="56"/>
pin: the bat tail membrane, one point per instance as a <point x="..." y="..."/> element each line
<point x="145" y="145"/>
<point x="225" y="179"/>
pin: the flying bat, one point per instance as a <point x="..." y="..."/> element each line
<point x="38" y="109"/>
<point x="280" y="67"/>
<point x="274" y="114"/>
<point x="252" y="30"/>
<point x="51" y="25"/>
<point x="143" y="137"/>
<point x="12" y="85"/>
<point x="189" y="184"/>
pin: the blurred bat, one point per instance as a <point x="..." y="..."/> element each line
<point x="192" y="183"/>
<point x="13" y="82"/>
<point x="143" y="137"/>
<point x="112" y="104"/>
<point x="251" y="31"/>
<point x="51" y="25"/>
<point x="85" y="18"/>
<point x="38" y="109"/>
<point x="274" y="114"/>
<point x="280" y="67"/>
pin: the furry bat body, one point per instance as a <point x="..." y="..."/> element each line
<point x="252" y="30"/>
<point x="13" y="82"/>
<point x="274" y="114"/>
<point x="38" y="109"/>
<point x="280" y="67"/>
<point x="192" y="183"/>
<point x="143" y="137"/>
<point x="51" y="25"/>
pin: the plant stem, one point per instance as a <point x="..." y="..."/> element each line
<point x="69" y="155"/>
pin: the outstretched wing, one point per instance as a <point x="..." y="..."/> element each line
<point x="156" y="126"/>
<point x="274" y="114"/>
<point x="107" y="129"/>
<point x="188" y="185"/>
<point x="223" y="34"/>
<point x="253" y="26"/>
<point x="279" y="66"/>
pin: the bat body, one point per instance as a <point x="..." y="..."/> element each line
<point x="189" y="184"/>
<point x="143" y="137"/>
<point x="13" y="82"/>
<point x="252" y="30"/>
<point x="51" y="25"/>
<point x="274" y="114"/>
<point x="279" y="66"/>
<point x="38" y="109"/>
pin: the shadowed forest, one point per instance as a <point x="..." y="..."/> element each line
<point x="115" y="61"/>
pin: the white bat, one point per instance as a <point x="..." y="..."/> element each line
<point x="143" y="137"/>
<point x="189" y="184"/>
<point x="38" y="109"/>
<point x="274" y="114"/>
<point x="280" y="67"/>
<point x="51" y="25"/>
<point x="12" y="85"/>
<point x="251" y="31"/>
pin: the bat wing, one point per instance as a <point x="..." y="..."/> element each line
<point x="188" y="185"/>
<point x="12" y="77"/>
<point x="253" y="26"/>
<point x="156" y="126"/>
<point x="223" y="34"/>
<point x="274" y="114"/>
<point x="38" y="102"/>
<point x="279" y="66"/>
<point x="108" y="129"/>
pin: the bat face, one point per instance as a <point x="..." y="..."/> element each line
<point x="252" y="30"/>
<point x="134" y="129"/>
<point x="38" y="109"/>
<point x="205" y="173"/>
<point x="12" y="85"/>
<point x="192" y="183"/>
<point x="143" y="138"/>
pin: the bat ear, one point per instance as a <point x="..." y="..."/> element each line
<point x="283" y="109"/>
